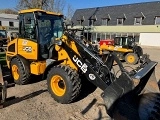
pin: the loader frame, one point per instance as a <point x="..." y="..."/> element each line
<point x="99" y="73"/>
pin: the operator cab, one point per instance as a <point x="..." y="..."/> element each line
<point x="40" y="27"/>
<point x="124" y="42"/>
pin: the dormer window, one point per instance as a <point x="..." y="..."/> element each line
<point x="120" y="21"/>
<point x="91" y="22"/>
<point x="80" y="20"/>
<point x="138" y="21"/>
<point x="157" y="20"/>
<point x="105" y="21"/>
<point x="138" y="18"/>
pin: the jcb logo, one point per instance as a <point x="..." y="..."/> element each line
<point x="27" y="49"/>
<point x="82" y="66"/>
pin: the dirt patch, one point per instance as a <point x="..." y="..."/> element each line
<point x="33" y="102"/>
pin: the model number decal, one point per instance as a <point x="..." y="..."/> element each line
<point x="82" y="66"/>
<point x="27" y="49"/>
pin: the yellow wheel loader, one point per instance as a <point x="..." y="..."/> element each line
<point x="42" y="35"/>
<point x="125" y="48"/>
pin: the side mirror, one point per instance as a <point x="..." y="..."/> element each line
<point x="27" y="20"/>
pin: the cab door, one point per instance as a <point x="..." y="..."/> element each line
<point x="27" y="40"/>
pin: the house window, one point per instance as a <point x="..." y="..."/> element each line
<point x="104" y="21"/>
<point x="80" y="22"/>
<point x="91" y="22"/>
<point x="138" y="21"/>
<point x="120" y="21"/>
<point x="11" y="24"/>
<point x="157" y="20"/>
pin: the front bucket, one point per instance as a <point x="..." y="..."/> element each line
<point x="145" y="80"/>
<point x="127" y="88"/>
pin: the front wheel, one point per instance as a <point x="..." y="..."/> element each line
<point x="20" y="71"/>
<point x="131" y="58"/>
<point x="63" y="83"/>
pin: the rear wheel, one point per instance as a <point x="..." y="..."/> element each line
<point x="64" y="84"/>
<point x="131" y="58"/>
<point x="20" y="71"/>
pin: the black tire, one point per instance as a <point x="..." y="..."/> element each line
<point x="23" y="71"/>
<point x="70" y="79"/>
<point x="142" y="107"/>
<point x="131" y="58"/>
<point x="149" y="106"/>
<point x="138" y="107"/>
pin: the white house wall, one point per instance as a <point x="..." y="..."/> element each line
<point x="6" y="18"/>
<point x="6" y="22"/>
<point x="149" y="39"/>
<point x="16" y="24"/>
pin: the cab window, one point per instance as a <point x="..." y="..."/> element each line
<point x="27" y="26"/>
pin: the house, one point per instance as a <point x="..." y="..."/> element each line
<point x="138" y="20"/>
<point x="9" y="22"/>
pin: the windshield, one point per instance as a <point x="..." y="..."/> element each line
<point x="124" y="41"/>
<point x="3" y="34"/>
<point x="117" y="41"/>
<point x="130" y="41"/>
<point x="50" y="26"/>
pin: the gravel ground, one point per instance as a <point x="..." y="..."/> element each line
<point x="33" y="102"/>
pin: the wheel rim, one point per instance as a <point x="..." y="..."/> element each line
<point x="58" y="85"/>
<point x="15" y="72"/>
<point x="130" y="58"/>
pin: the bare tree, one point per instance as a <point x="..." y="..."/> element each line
<point x="8" y="11"/>
<point x="59" y="6"/>
<point x="51" y="5"/>
<point x="28" y="4"/>
<point x="70" y="11"/>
